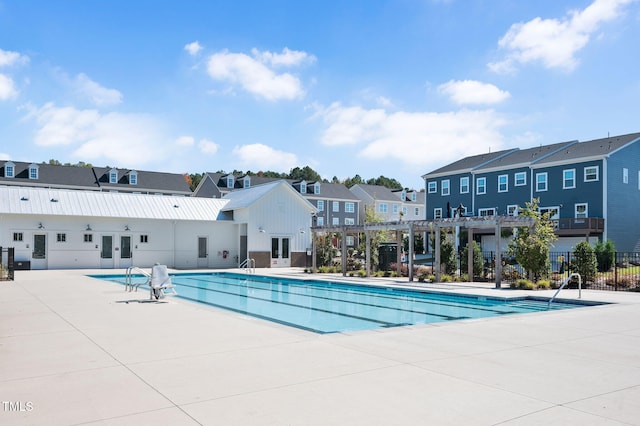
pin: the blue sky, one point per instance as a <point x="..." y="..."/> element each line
<point x="369" y="87"/>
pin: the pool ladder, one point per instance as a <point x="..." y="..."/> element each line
<point x="564" y="284"/>
<point x="129" y="285"/>
<point x="249" y="265"/>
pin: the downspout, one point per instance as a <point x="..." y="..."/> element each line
<point x="605" y="212"/>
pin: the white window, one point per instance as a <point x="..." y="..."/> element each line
<point x="569" y="179"/>
<point x="88" y="238"/>
<point x="303" y="187"/>
<point x="512" y="210"/>
<point x="625" y="175"/>
<point x="144" y="238"/>
<point x="33" y="171"/>
<point x="394" y="208"/>
<point x="481" y="186"/>
<point x="320" y="221"/>
<point x="487" y="212"/>
<point x="433" y="187"/>
<point x="316" y="188"/>
<point x="417" y="211"/>
<point x="591" y="173"/>
<point x="404" y="210"/>
<point x="464" y="185"/>
<point x="113" y="176"/>
<point x="9" y="170"/>
<point x="61" y="238"/>
<point x="349" y="221"/>
<point x="437" y="213"/>
<point x="553" y="212"/>
<point x="335" y="221"/>
<point x="230" y="181"/>
<point x="133" y="178"/>
<point x="503" y="183"/>
<point x="582" y="211"/>
<point x="414" y="196"/>
<point x="349" y="207"/>
<point x="17" y="236"/>
<point x="383" y="208"/>
<point x="351" y="241"/>
<point x="403" y="195"/>
<point x="520" y="179"/>
<point x="336" y="206"/>
<point x="320" y="205"/>
<point x="541" y="182"/>
<point x="246" y="182"/>
<point x="445" y="187"/>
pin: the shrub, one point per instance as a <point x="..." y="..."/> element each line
<point x="544" y="284"/>
<point x="584" y="261"/>
<point x="605" y="255"/>
<point x="446" y="278"/>
<point x="362" y="273"/>
<point x="524" y="284"/>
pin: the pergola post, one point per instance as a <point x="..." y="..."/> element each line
<point x="313" y="252"/>
<point x="498" y="269"/>
<point x="410" y="254"/>
<point x="437" y="267"/>
<point x="343" y="241"/>
<point x="470" y="254"/>
<point x="367" y="253"/>
<point x="399" y="252"/>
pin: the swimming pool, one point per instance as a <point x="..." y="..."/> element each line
<point x="330" y="307"/>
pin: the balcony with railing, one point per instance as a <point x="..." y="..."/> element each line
<point x="579" y="226"/>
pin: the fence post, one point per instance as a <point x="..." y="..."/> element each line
<point x="615" y="272"/>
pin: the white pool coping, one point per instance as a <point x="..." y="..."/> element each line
<point x="73" y="351"/>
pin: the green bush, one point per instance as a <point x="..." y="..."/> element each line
<point x="524" y="284"/>
<point x="446" y="278"/>
<point x="544" y="284"/>
<point x="362" y="273"/>
<point x="584" y="261"/>
<point x="605" y="255"/>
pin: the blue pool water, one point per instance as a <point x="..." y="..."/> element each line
<point x="329" y="307"/>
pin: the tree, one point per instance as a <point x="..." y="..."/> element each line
<point x="584" y="261"/>
<point x="193" y="179"/>
<point x="305" y="173"/>
<point x="478" y="261"/>
<point x="325" y="251"/>
<point x="531" y="246"/>
<point x="605" y="255"/>
<point x="375" y="237"/>
<point x="386" y="182"/>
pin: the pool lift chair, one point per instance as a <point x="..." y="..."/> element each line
<point x="160" y="283"/>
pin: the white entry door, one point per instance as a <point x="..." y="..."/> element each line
<point x="106" y="252"/>
<point x="126" y="255"/>
<point x="280" y="253"/>
<point x="203" y="252"/>
<point x="39" y="253"/>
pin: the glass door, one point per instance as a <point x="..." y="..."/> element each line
<point x="280" y="255"/>
<point x="125" y="251"/>
<point x="106" y="252"/>
<point x="203" y="253"/>
<point x="39" y="253"/>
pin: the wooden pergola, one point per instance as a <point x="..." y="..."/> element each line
<point x="495" y="223"/>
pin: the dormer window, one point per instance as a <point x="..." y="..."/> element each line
<point x="246" y="182"/>
<point x="133" y="178"/>
<point x="9" y="170"/>
<point x="303" y="187"/>
<point x="33" y="171"/>
<point x="414" y="196"/>
<point x="113" y="176"/>
<point x="316" y="188"/>
<point x="230" y="181"/>
<point x="403" y="195"/>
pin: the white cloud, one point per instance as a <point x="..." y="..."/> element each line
<point x="4" y="156"/>
<point x="131" y="139"/>
<point x="555" y="42"/>
<point x="288" y="58"/>
<point x="255" y="76"/>
<point x="185" y="141"/>
<point x="7" y="88"/>
<point x="8" y="58"/>
<point x="423" y="139"/>
<point x="208" y="147"/>
<point x="262" y="157"/>
<point x="193" y="48"/>
<point x="98" y="94"/>
<point x="471" y="92"/>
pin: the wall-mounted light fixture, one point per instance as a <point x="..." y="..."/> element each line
<point x="261" y="229"/>
<point x="126" y="228"/>
<point x="40" y="226"/>
<point x="89" y="228"/>
<point x="301" y="231"/>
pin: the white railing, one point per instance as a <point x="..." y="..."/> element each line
<point x="567" y="281"/>
<point x="249" y="266"/>
<point x="130" y="286"/>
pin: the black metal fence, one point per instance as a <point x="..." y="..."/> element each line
<point x="621" y="274"/>
<point x="6" y="263"/>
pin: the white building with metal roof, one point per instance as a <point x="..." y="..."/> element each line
<point x="57" y="228"/>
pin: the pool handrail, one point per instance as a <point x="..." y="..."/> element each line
<point x="128" y="285"/>
<point x="249" y="265"/>
<point x="567" y="281"/>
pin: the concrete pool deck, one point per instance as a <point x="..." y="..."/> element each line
<point x="76" y="350"/>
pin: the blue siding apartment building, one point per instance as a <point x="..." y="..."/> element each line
<point x="590" y="189"/>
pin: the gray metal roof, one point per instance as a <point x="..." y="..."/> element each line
<point x="94" y="178"/>
<point x="597" y="148"/>
<point x="60" y="202"/>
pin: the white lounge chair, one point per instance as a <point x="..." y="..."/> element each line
<point x="160" y="283"/>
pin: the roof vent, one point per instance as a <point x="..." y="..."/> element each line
<point x="24" y="199"/>
<point x="54" y="200"/>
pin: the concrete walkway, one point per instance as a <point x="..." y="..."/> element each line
<point x="73" y="351"/>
